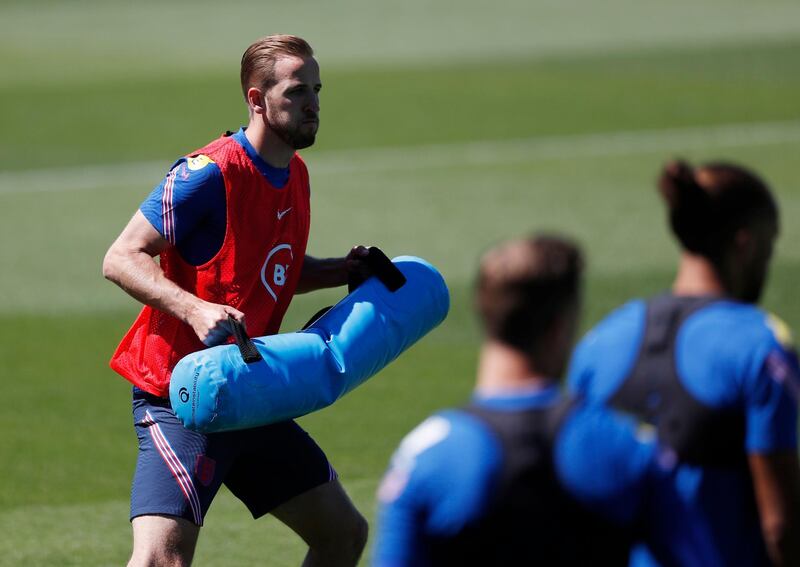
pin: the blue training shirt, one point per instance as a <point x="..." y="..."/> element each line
<point x="442" y="476"/>
<point x="728" y="355"/>
<point x="188" y="208"/>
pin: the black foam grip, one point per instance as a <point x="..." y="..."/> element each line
<point x="246" y="346"/>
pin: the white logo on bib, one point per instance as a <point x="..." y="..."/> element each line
<point x="276" y="275"/>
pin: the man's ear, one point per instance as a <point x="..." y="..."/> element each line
<point x="256" y="101"/>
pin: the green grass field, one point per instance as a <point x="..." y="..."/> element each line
<point x="445" y="127"/>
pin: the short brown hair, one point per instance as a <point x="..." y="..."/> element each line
<point x="524" y="284"/>
<point x="259" y="59"/>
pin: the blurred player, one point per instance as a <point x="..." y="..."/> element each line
<point x="504" y="481"/>
<point x="230" y="224"/>
<point x="714" y="374"/>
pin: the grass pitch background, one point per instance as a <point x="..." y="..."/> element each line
<point x="446" y="126"/>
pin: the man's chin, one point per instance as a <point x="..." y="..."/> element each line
<point x="301" y="142"/>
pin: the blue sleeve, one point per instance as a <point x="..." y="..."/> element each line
<point x="605" y="461"/>
<point x="439" y="480"/>
<point x="188" y="208"/>
<point x="579" y="373"/>
<point x="771" y="397"/>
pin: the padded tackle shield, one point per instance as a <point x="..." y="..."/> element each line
<point x="216" y="390"/>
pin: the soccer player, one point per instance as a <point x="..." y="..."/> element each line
<point x="230" y="224"/>
<point x="520" y="476"/>
<point x="714" y="374"/>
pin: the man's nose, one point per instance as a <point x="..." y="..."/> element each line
<point x="313" y="103"/>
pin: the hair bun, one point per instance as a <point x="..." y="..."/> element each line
<point x="689" y="205"/>
<point x="679" y="188"/>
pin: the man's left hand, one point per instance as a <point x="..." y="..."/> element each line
<point x="356" y="263"/>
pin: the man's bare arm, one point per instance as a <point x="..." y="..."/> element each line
<point x="776" y="480"/>
<point x="130" y="264"/>
<point x="321" y="273"/>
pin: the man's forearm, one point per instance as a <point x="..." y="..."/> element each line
<point x="321" y="273"/>
<point x="142" y="278"/>
<point x="776" y="480"/>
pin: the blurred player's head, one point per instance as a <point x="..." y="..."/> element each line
<point x="528" y="298"/>
<point x="280" y="80"/>
<point x="727" y="215"/>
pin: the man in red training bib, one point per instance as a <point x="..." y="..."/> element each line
<point x="230" y="224"/>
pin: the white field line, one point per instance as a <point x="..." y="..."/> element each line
<point x="487" y="152"/>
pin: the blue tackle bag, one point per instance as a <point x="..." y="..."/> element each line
<point x="292" y="374"/>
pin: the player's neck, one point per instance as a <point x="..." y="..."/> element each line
<point x="696" y="276"/>
<point x="270" y="147"/>
<point x="502" y="369"/>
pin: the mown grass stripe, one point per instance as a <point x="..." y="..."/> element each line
<point x="483" y="152"/>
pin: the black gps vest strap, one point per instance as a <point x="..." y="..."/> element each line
<point x="697" y="433"/>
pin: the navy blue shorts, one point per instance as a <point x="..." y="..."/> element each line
<point x="178" y="472"/>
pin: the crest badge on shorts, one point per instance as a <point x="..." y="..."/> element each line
<point x="204" y="469"/>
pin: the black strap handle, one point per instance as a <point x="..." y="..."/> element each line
<point x="382" y="268"/>
<point x="246" y="346"/>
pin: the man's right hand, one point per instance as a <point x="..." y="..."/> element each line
<point x="210" y="321"/>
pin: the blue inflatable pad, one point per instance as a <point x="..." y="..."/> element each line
<point x="215" y="390"/>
